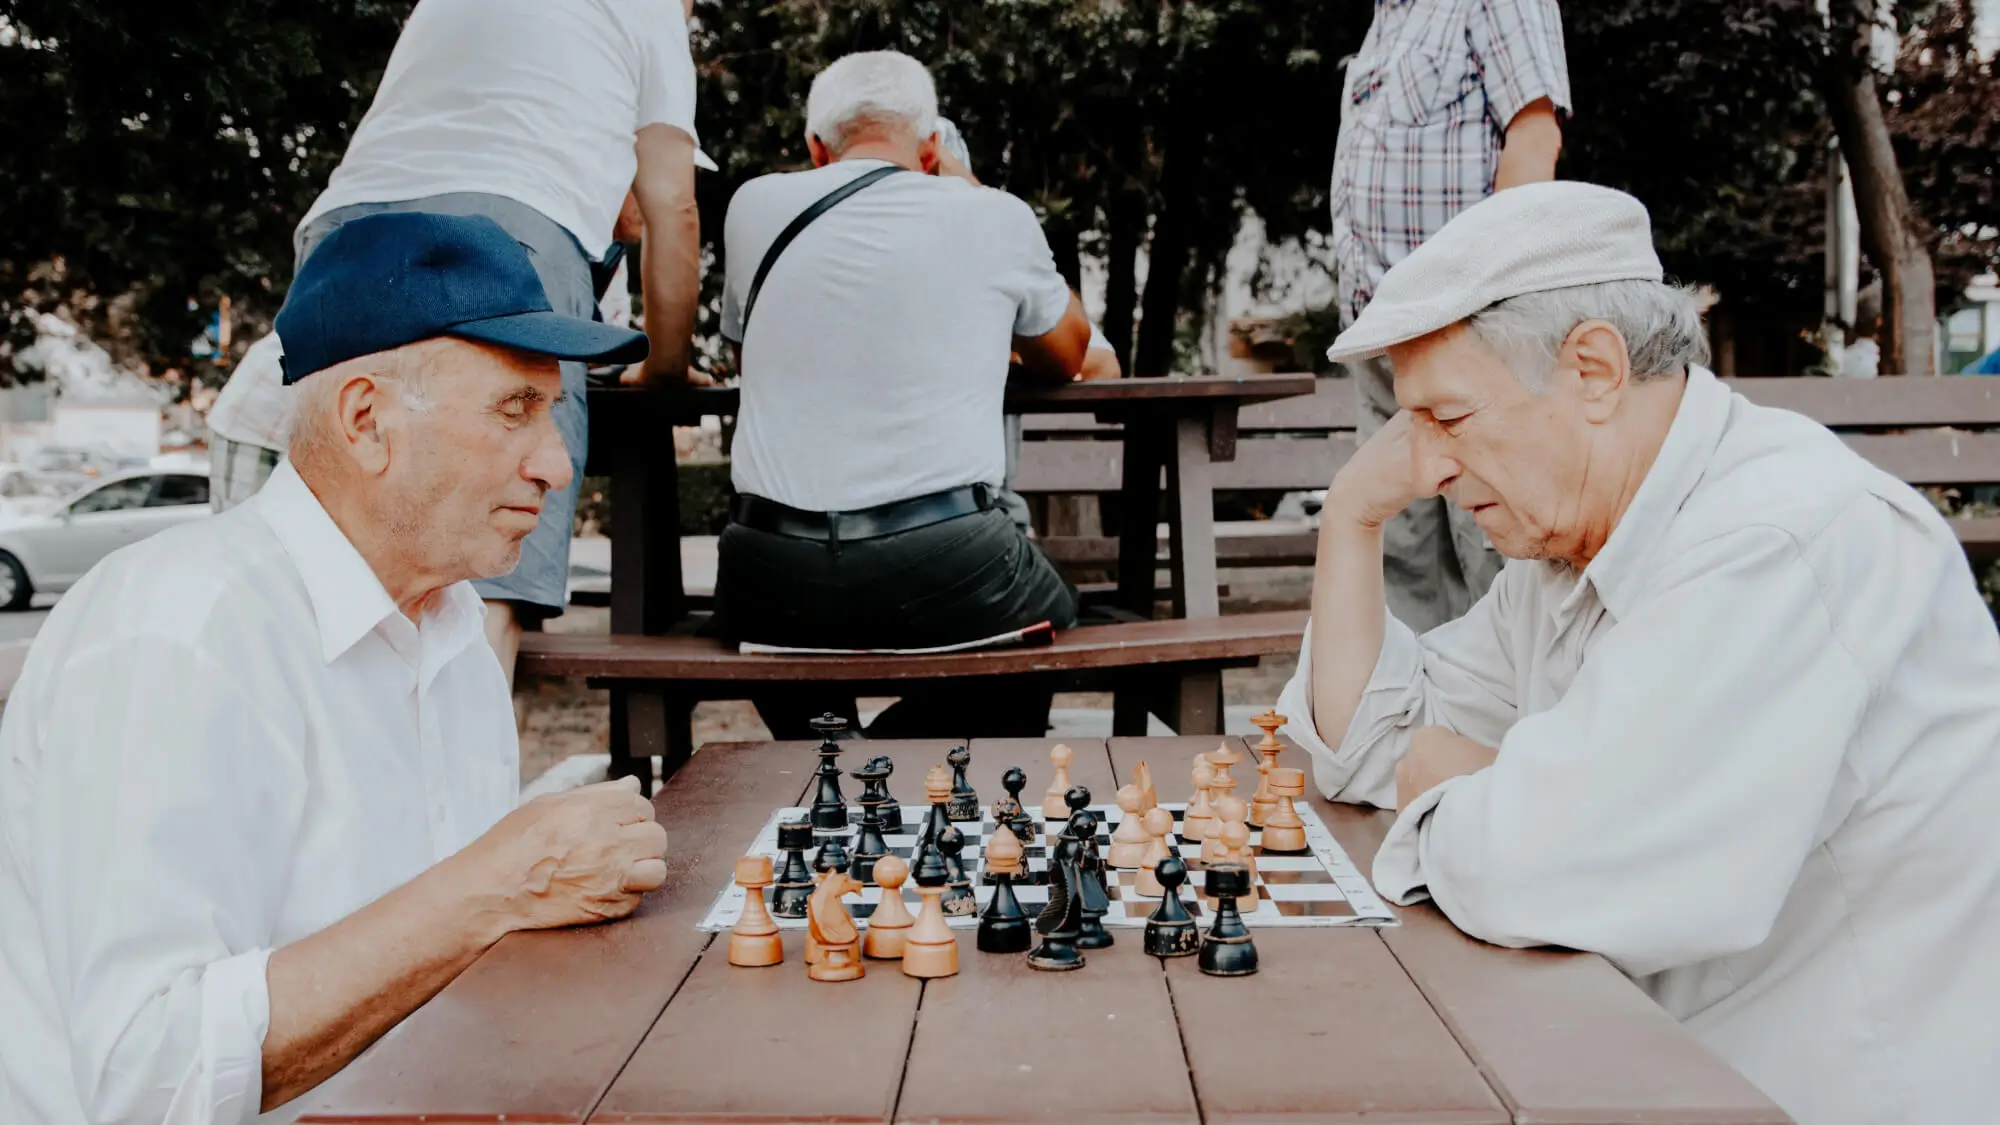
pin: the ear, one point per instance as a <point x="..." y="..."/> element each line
<point x="1596" y="351"/>
<point x="821" y="155"/>
<point x="361" y="401"/>
<point x="927" y="155"/>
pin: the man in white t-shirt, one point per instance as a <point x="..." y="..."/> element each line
<point x="869" y="448"/>
<point x="541" y="115"/>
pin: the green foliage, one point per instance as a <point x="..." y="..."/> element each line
<point x="163" y="152"/>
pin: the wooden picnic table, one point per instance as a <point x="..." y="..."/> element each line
<point x="1179" y="425"/>
<point x="645" y="1021"/>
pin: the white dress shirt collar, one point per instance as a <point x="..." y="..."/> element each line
<point x="1630" y="556"/>
<point x="348" y="599"/>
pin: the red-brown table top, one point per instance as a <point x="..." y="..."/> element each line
<point x="645" y="1021"/>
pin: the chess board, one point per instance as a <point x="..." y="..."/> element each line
<point x="1320" y="888"/>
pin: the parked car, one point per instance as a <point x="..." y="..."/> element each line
<point x="48" y="551"/>
<point x="24" y="488"/>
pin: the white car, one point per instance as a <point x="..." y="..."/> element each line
<point x="48" y="551"/>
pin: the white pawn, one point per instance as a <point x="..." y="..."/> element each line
<point x="1159" y="824"/>
<point x="1128" y="844"/>
<point x="1200" y="816"/>
<point x="1054" y="805"/>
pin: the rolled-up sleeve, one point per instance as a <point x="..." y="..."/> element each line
<point x="163" y="829"/>
<point x="1519" y="44"/>
<point x="1459" y="675"/>
<point x="1659" y="813"/>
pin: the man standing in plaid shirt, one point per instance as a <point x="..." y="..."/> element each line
<point x="1447" y="102"/>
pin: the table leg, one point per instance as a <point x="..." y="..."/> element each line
<point x="647" y="593"/>
<point x="1198" y="703"/>
<point x="1191" y="520"/>
<point x="640" y="732"/>
<point x="1139" y="502"/>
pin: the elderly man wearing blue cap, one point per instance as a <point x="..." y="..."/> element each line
<point x="1727" y="717"/>
<point x="258" y="777"/>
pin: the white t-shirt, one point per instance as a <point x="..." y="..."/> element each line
<point x="534" y="100"/>
<point x="882" y="334"/>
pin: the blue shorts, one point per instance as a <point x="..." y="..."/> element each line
<point x="541" y="578"/>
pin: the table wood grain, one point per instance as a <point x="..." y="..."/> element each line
<point x="645" y="1021"/>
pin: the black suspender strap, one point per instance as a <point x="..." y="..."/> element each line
<point x="805" y="218"/>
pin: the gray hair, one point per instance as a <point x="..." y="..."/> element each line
<point x="314" y="406"/>
<point x="869" y="91"/>
<point x="1661" y="324"/>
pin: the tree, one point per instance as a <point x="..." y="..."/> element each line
<point x="164" y="151"/>
<point x="1891" y="230"/>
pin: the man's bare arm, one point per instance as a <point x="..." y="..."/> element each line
<point x="581" y="856"/>
<point x="1348" y="602"/>
<point x="670" y="257"/>
<point x="1057" y="355"/>
<point x="1534" y="140"/>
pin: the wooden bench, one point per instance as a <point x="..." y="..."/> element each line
<point x="1942" y="431"/>
<point x="1173" y="667"/>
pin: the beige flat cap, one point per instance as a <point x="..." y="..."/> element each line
<point x="1523" y="240"/>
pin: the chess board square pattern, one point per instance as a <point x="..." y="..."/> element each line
<point x="1321" y="888"/>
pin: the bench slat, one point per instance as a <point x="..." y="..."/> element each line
<point x="1134" y="644"/>
<point x="1263" y="463"/>
<point x="1893" y="402"/>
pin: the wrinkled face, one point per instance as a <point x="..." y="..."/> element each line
<point x="465" y="477"/>
<point x="1517" y="460"/>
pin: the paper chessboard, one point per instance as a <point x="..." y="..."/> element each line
<point x="1320" y="888"/>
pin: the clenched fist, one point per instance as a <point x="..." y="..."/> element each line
<point x="570" y="858"/>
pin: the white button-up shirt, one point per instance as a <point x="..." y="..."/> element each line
<point x="226" y="738"/>
<point x="1750" y="754"/>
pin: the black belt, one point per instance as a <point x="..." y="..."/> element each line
<point x="757" y="513"/>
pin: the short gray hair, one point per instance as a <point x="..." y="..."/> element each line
<point x="867" y="91"/>
<point x="314" y="422"/>
<point x="1661" y="324"/>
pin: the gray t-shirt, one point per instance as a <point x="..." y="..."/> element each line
<point x="880" y="347"/>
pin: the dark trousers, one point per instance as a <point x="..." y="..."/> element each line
<point x="953" y="581"/>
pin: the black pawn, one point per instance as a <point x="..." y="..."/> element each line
<point x="930" y="869"/>
<point x="1226" y="951"/>
<point x="793" y="884"/>
<point x="832" y="854"/>
<point x="892" y="810"/>
<point x="868" y="843"/>
<point x="964" y="803"/>
<point x="1093" y="894"/>
<point x="1021" y="820"/>
<point x="829" y="808"/>
<point x="959" y="901"/>
<point x="1061" y="921"/>
<point x="1171" y="931"/>
<point x="1004" y="928"/>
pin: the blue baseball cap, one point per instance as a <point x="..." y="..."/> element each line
<point x="396" y="278"/>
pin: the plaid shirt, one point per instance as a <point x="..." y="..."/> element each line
<point x="1427" y="103"/>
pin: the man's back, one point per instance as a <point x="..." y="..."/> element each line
<point x="534" y="100"/>
<point x="876" y="364"/>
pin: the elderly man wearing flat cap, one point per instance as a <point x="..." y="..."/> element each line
<point x="258" y="777"/>
<point x="1730" y="716"/>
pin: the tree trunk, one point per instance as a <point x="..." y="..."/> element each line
<point x="1126" y="218"/>
<point x="1166" y="259"/>
<point x="1891" y="231"/>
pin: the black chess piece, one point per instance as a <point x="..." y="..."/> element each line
<point x="1171" y="931"/>
<point x="959" y="900"/>
<point x="868" y="843"/>
<point x="1021" y="819"/>
<point x="1061" y="921"/>
<point x="1078" y="798"/>
<point x="1226" y="951"/>
<point x="1004" y="927"/>
<point x="829" y="808"/>
<point x="833" y="854"/>
<point x="1095" y="897"/>
<point x="964" y="803"/>
<point x="930" y="869"/>
<point x="793" y="884"/>
<point x="892" y="810"/>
